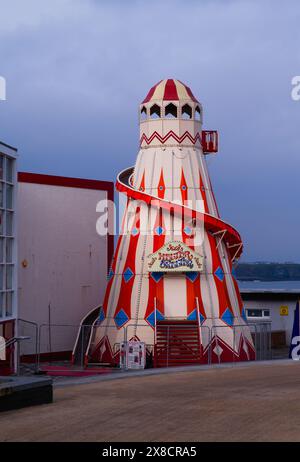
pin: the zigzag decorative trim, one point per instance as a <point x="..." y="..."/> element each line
<point x="163" y="139"/>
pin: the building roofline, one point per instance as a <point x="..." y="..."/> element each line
<point x="270" y="294"/>
<point x="54" y="180"/>
<point x="8" y="146"/>
<point x="270" y="291"/>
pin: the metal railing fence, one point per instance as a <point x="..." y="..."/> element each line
<point x="52" y="344"/>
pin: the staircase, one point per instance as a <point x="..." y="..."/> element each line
<point x="177" y="344"/>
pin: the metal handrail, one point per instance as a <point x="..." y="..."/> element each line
<point x="207" y="333"/>
<point x="36" y="328"/>
<point x="11" y="342"/>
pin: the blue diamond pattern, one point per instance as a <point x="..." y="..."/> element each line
<point x="192" y="275"/>
<point x="202" y="318"/>
<point x="227" y="317"/>
<point x="219" y="273"/>
<point x="110" y="274"/>
<point x="192" y="316"/>
<point x="128" y="274"/>
<point x="159" y="230"/>
<point x="244" y="315"/>
<point x="151" y="318"/>
<point x="187" y="230"/>
<point x="101" y="316"/>
<point x="121" y="318"/>
<point x="157" y="275"/>
<point x="135" y="231"/>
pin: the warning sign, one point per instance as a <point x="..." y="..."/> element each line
<point x="133" y="355"/>
<point x="284" y="310"/>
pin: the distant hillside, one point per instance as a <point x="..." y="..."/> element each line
<point x="268" y="271"/>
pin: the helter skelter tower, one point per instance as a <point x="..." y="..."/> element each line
<point x="172" y="282"/>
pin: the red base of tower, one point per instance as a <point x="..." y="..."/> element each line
<point x="178" y="344"/>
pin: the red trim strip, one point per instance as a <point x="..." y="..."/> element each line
<point x="163" y="139"/>
<point x="53" y="180"/>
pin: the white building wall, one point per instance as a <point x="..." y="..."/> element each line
<point x="62" y="260"/>
<point x="279" y="322"/>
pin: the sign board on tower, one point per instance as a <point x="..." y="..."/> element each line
<point x="175" y="256"/>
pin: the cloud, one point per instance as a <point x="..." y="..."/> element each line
<point x="77" y="69"/>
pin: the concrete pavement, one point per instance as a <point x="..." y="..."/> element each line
<point x="246" y="403"/>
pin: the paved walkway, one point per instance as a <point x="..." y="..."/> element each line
<point x="260" y="402"/>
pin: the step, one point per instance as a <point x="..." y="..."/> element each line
<point x="176" y="363"/>
<point x="178" y="355"/>
<point x="177" y="322"/>
<point x="178" y="360"/>
<point x="177" y="337"/>
<point x="185" y="331"/>
<point x="177" y="344"/>
<point x="176" y="334"/>
<point x="177" y="351"/>
<point x="177" y="347"/>
<point x="178" y="340"/>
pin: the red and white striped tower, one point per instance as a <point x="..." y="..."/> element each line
<point x="164" y="190"/>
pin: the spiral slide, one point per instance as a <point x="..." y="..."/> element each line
<point x="212" y="224"/>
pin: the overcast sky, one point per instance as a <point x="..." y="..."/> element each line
<point x="76" y="71"/>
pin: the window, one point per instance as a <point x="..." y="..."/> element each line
<point x="197" y="113"/>
<point x="2" y="249"/>
<point x="186" y="111"/>
<point x="1" y="276"/>
<point x="1" y="303"/>
<point x="171" y="111"/>
<point x="9" y="277"/>
<point x="9" y="169"/>
<point x="1" y="222"/>
<point x="1" y="166"/>
<point x="9" y="223"/>
<point x="143" y="113"/>
<point x="1" y="194"/>
<point x="9" y="250"/>
<point x="9" y="196"/>
<point x="7" y="240"/>
<point x="155" y="112"/>
<point x="8" y="303"/>
<point x="258" y="313"/>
